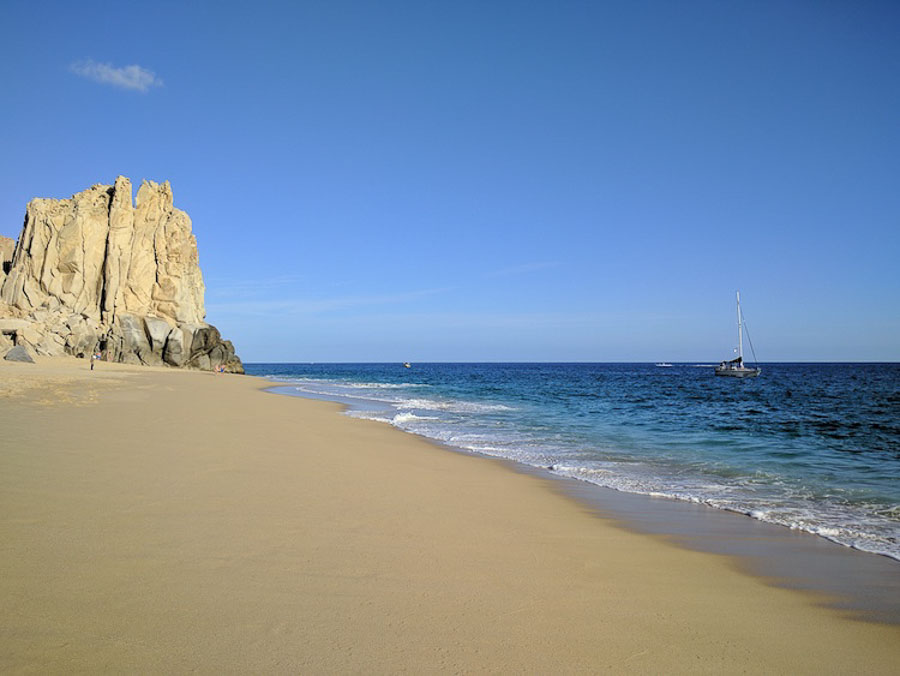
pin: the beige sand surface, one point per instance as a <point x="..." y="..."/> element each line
<point x="165" y="521"/>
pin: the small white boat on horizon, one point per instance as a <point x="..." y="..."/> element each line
<point x="735" y="367"/>
<point x="664" y="364"/>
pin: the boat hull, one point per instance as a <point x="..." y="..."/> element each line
<point x="738" y="373"/>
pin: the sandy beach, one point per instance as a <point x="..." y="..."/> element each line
<point x="155" y="520"/>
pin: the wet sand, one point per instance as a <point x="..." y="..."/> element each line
<point x="865" y="585"/>
<point x="157" y="520"/>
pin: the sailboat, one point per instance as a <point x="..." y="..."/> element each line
<point x="735" y="367"/>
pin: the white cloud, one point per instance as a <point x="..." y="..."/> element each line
<point x="127" y="77"/>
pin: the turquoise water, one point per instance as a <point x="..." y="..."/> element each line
<point x="814" y="447"/>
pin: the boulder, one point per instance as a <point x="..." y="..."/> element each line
<point x="209" y="351"/>
<point x="174" y="353"/>
<point x="31" y="334"/>
<point x="19" y="353"/>
<point x="204" y="339"/>
<point x="50" y="345"/>
<point x="133" y="345"/>
<point x="157" y="332"/>
<point x="202" y="362"/>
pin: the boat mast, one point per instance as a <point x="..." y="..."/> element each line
<point x="740" y="331"/>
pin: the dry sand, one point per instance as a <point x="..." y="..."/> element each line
<point x="165" y="521"/>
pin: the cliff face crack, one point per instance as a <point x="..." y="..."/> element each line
<point x="51" y="241"/>
<point x="103" y="279"/>
<point x="84" y="257"/>
<point x="156" y="261"/>
<point x="103" y="269"/>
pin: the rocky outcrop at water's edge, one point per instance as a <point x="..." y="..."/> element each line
<point x="100" y="273"/>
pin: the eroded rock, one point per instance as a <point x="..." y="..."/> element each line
<point x="98" y="272"/>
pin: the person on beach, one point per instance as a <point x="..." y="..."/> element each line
<point x="94" y="357"/>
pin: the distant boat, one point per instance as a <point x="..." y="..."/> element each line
<point x="735" y="367"/>
<point x="407" y="365"/>
<point x="662" y="363"/>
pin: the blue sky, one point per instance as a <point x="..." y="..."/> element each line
<point x="560" y="181"/>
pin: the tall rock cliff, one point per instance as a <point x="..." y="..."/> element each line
<point x="98" y="273"/>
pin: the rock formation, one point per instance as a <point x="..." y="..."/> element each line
<point x="98" y="273"/>
<point x="19" y="353"/>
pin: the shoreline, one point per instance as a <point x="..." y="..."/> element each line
<point x="778" y="454"/>
<point x="864" y="584"/>
<point x="165" y="520"/>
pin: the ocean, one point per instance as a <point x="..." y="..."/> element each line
<point x="813" y="447"/>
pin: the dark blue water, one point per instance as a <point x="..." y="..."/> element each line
<point x="810" y="446"/>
